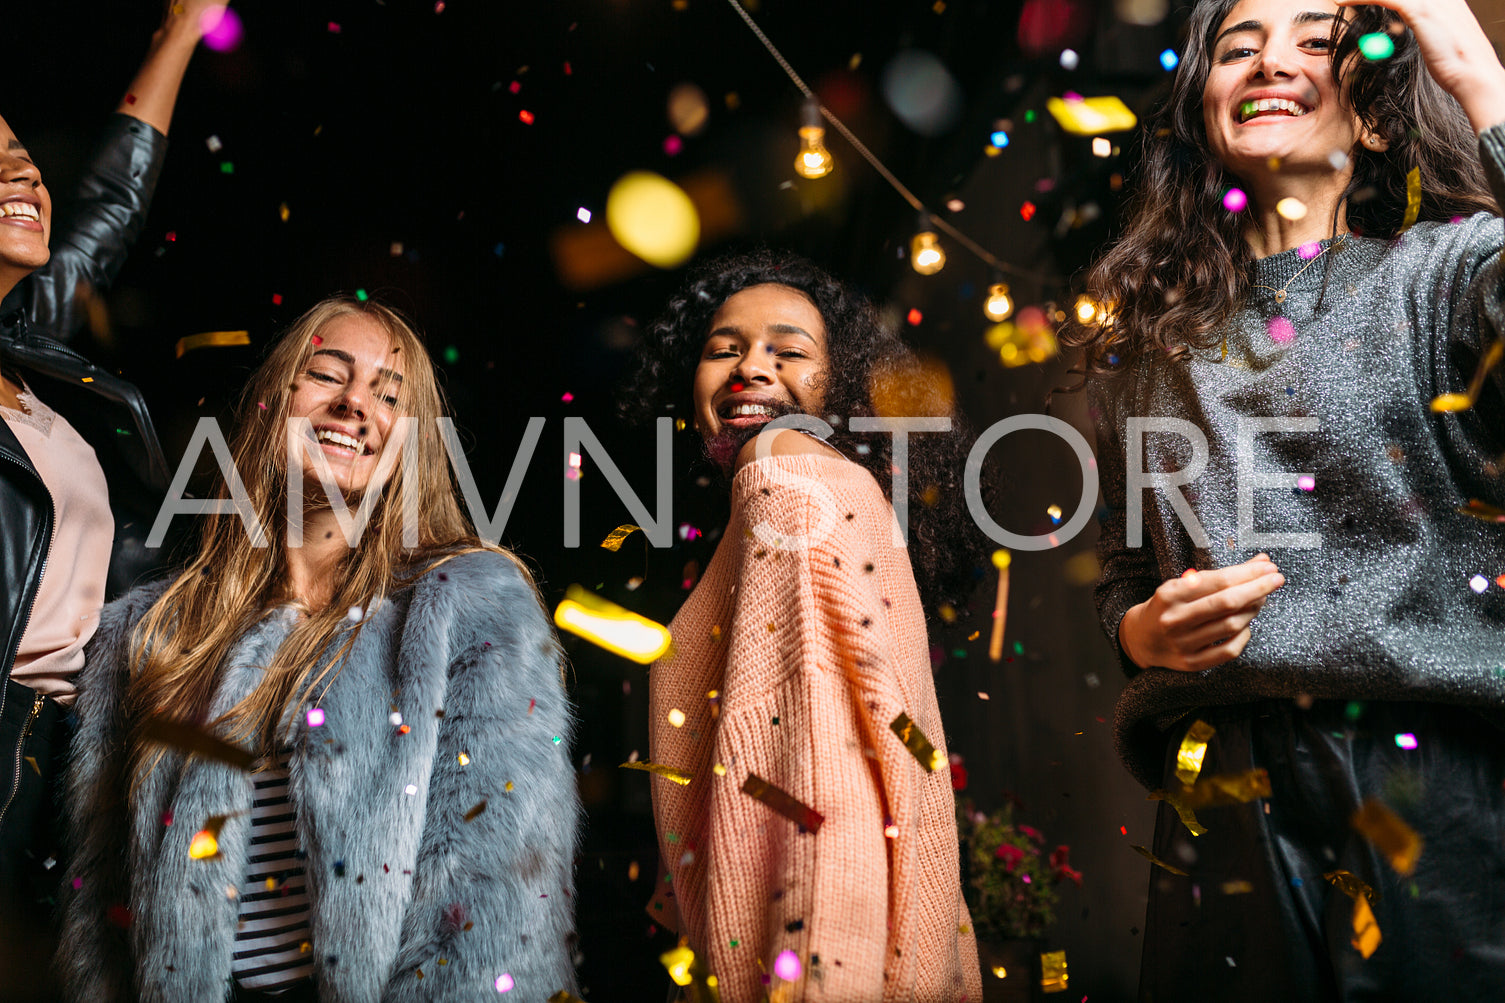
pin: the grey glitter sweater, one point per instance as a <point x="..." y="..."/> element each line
<point x="1391" y="591"/>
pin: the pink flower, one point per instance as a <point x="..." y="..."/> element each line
<point x="1060" y="867"/>
<point x="958" y="777"/>
<point x="1032" y="833"/>
<point x="1010" y="854"/>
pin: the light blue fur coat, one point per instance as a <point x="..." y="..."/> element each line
<point x="399" y="882"/>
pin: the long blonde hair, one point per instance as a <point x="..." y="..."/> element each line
<point x="181" y="644"/>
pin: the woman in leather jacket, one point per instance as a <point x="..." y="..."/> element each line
<point x="67" y="429"/>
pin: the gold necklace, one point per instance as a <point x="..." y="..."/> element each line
<point x="1280" y="294"/>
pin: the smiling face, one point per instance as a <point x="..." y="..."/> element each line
<point x="349" y="389"/>
<point x="765" y="356"/>
<point x="25" y="212"/>
<point x="1270" y="91"/>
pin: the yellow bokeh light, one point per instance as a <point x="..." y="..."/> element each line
<point x="614" y="628"/>
<point x="999" y="306"/>
<point x="678" y="962"/>
<point x="925" y="253"/>
<point x="653" y="218"/>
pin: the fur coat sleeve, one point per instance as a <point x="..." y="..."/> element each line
<point x="436" y="806"/>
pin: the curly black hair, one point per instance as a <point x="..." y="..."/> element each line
<point x="944" y="546"/>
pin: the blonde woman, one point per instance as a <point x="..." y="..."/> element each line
<point x="409" y="827"/>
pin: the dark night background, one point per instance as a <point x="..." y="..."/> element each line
<point x="403" y="128"/>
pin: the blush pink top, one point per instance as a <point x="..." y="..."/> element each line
<point x="808" y="628"/>
<point x="66" y="611"/>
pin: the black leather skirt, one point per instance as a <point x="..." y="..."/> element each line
<point x="1255" y="919"/>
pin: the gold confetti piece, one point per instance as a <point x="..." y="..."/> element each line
<point x="612" y="627"/>
<point x="676" y="717"/>
<point x="1001" y="560"/>
<point x="633" y="871"/>
<point x="1000" y="972"/>
<point x="1481" y="510"/>
<point x="1091" y="116"/>
<point x="480" y="807"/>
<point x="680" y="777"/>
<point x="1413" y="204"/>
<point x="615" y="538"/>
<point x="191" y="739"/>
<point x="1187" y="816"/>
<point x="205" y="842"/>
<point x="1396" y="841"/>
<point x="1224" y="789"/>
<point x="1193" y="750"/>
<point x="1349" y="884"/>
<point x="1053" y="977"/>
<point x="563" y="996"/>
<point x="32" y="762"/>
<point x="212" y="339"/>
<point x="1146" y="854"/>
<point x="1237" y="887"/>
<point x="915" y="741"/>
<point x="782" y="802"/>
<point x="203" y="846"/>
<point x="1366" y="929"/>
<point x="719" y="770"/>
<point x="1448" y="403"/>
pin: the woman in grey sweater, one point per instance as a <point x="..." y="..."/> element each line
<point x="404" y="824"/>
<point x="1300" y="438"/>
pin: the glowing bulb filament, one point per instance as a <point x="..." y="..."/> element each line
<point x="925" y="253"/>
<point x="998" y="306"/>
<point x="814" y="160"/>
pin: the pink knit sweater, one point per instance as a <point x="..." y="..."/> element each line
<point x="812" y="647"/>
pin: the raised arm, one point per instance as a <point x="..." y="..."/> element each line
<point x="102" y="220"/>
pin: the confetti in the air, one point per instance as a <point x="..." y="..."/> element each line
<point x="915" y="741"/>
<point x="680" y="777"/>
<point x="783" y="802"/>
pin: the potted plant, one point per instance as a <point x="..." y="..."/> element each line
<point x="1010" y="885"/>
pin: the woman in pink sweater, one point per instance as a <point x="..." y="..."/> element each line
<point x="813" y="853"/>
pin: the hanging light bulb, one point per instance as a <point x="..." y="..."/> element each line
<point x="926" y="255"/>
<point x="814" y="160"/>
<point x="999" y="306"/>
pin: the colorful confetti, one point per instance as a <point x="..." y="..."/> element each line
<point x="1001" y="560"/>
<point x="211" y="339"/>
<point x="783" y="803"/>
<point x="1193" y="751"/>
<point x="915" y="741"/>
<point x="1396" y="841"/>
<point x="616" y="537"/>
<point x="680" y="777"/>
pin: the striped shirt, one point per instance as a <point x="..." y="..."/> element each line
<point x="273" y="940"/>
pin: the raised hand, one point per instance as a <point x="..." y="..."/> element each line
<point x="1201" y="619"/>
<point x="1457" y="53"/>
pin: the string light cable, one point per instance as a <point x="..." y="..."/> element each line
<point x="938" y="221"/>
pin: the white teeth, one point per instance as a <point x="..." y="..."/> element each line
<point x="329" y="435"/>
<point x="23" y="209"/>
<point x="745" y="410"/>
<point x="1250" y="109"/>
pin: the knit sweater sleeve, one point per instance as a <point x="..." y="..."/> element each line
<point x="493" y="891"/>
<point x="94" y="955"/>
<point x="1129" y="574"/>
<point x="825" y="611"/>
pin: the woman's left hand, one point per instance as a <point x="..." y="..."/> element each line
<point x="1457" y="52"/>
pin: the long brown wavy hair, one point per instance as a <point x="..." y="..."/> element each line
<point x="1181" y="267"/>
<point x="230" y="585"/>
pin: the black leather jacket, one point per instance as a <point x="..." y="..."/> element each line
<point x="88" y="247"/>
